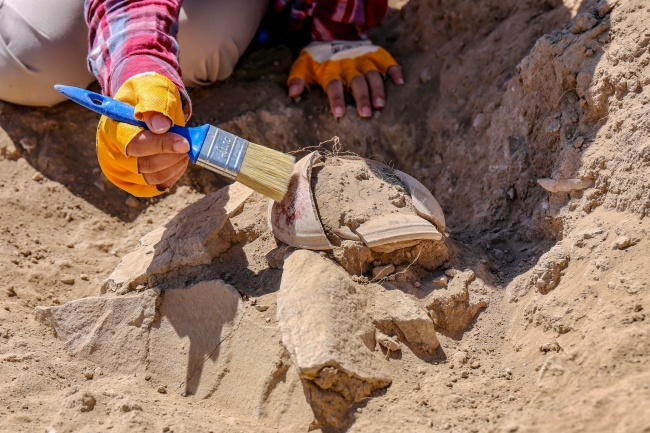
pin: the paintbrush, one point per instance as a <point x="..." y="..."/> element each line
<point x="264" y="170"/>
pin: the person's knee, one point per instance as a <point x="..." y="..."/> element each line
<point x="213" y="36"/>
<point x="33" y="57"/>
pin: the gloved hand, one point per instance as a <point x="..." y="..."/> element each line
<point x="144" y="163"/>
<point x="357" y="64"/>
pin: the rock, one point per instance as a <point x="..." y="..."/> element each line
<point x="67" y="280"/>
<point x="606" y="6"/>
<point x="440" y="281"/>
<point x="550" y="347"/>
<point x="548" y="271"/>
<point x="84" y="402"/>
<point x="451" y="308"/>
<point x="355" y="257"/>
<point x="88" y="375"/>
<point x="381" y="272"/>
<point x="451" y="273"/>
<point x="275" y="257"/>
<point x="132" y="202"/>
<point x="110" y="331"/>
<point x="7" y="147"/>
<point x="11" y="292"/>
<point x="585" y="21"/>
<point x="84" y="277"/>
<point x="622" y="243"/>
<point x="29" y="144"/>
<point x="191" y="238"/>
<point x="162" y="389"/>
<point x="474" y="365"/>
<point x="394" y="308"/>
<point x="329" y="339"/>
<point x="387" y="342"/>
<point x="425" y="76"/>
<point x="481" y="121"/>
<point x="461" y="357"/>
<point x="37" y="177"/>
<point x="564" y="185"/>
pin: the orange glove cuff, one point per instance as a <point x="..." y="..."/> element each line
<point x="146" y="92"/>
<point x="315" y="67"/>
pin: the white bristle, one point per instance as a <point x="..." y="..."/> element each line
<point x="266" y="171"/>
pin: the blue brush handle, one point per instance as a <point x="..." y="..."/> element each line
<point x="124" y="113"/>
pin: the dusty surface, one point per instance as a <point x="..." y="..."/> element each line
<point x="541" y="311"/>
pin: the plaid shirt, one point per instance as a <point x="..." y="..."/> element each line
<point x="127" y="37"/>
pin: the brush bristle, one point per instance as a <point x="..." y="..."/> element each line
<point x="266" y="171"/>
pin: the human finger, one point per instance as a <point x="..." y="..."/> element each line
<point x="376" y="84"/>
<point x="147" y="143"/>
<point x="395" y="74"/>
<point x="156" y="122"/>
<point x="336" y="97"/>
<point x="172" y="180"/>
<point x="360" y="92"/>
<point x="162" y="176"/>
<point x="156" y="163"/>
<point x="296" y="87"/>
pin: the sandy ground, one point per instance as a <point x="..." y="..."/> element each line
<point x="499" y="94"/>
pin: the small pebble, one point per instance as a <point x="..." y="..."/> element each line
<point x="162" y="389"/>
<point x="147" y="377"/>
<point x="84" y="277"/>
<point x="418" y="284"/>
<point x="37" y="177"/>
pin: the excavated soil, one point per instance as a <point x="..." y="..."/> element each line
<point x="539" y="294"/>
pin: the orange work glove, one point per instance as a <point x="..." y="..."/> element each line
<point x="147" y="93"/>
<point x="334" y="64"/>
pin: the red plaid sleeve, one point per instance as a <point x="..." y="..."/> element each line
<point x="127" y="38"/>
<point x="333" y="20"/>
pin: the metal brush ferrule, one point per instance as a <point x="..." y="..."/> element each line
<point x="222" y="152"/>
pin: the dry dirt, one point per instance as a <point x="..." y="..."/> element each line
<point x="500" y="93"/>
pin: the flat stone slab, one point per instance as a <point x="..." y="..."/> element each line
<point x="322" y="321"/>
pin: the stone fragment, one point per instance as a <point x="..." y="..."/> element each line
<point x="481" y="121"/>
<point x="394" y="308"/>
<point x="623" y="242"/>
<point x="7" y="147"/>
<point x="82" y="401"/>
<point x="191" y="238"/>
<point x="110" y="331"/>
<point x="564" y="185"/>
<point x="318" y="309"/>
<point x="548" y="271"/>
<point x="355" y="257"/>
<point x="132" y="202"/>
<point x="451" y="308"/>
<point x="275" y="257"/>
<point x="381" y="272"/>
<point x="584" y="21"/>
<point x="37" y="177"/>
<point x="67" y="280"/>
<point x="440" y="281"/>
<point x="329" y="339"/>
<point x="389" y="343"/>
<point x="29" y="144"/>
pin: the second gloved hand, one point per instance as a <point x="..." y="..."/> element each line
<point x="357" y="65"/>
<point x="144" y="163"/>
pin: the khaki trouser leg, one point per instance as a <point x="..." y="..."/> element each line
<point x="213" y="35"/>
<point x="44" y="42"/>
